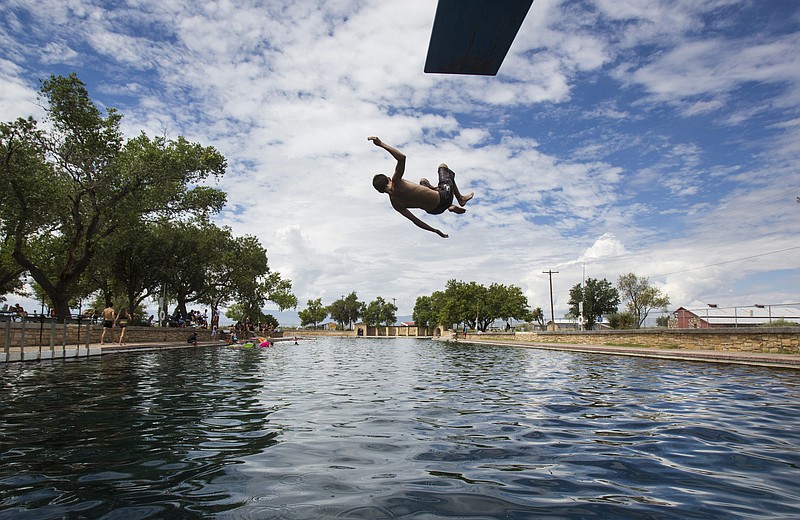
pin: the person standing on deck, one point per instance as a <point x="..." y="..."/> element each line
<point x="122" y="321"/>
<point x="108" y="321"/>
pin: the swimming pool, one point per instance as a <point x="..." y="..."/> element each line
<point x="396" y="428"/>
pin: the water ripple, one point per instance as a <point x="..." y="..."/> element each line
<point x="369" y="429"/>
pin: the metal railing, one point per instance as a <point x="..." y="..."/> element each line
<point x="39" y="337"/>
<point x="762" y="315"/>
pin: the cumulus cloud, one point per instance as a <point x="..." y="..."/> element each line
<point x="606" y="245"/>
<point x="605" y="138"/>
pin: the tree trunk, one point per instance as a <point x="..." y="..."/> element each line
<point x="61" y="306"/>
<point x="182" y="308"/>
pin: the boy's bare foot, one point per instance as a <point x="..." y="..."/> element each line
<point x="456" y="209"/>
<point x="463" y="200"/>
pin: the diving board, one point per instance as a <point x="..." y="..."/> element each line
<point x="473" y="36"/>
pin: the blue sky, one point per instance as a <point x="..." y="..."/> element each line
<point x="660" y="138"/>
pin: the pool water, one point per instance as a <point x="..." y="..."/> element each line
<point x="396" y="428"/>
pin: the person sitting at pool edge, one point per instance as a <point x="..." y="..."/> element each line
<point x="404" y="195"/>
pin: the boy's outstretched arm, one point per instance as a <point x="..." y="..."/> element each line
<point x="397" y="154"/>
<point x="417" y="222"/>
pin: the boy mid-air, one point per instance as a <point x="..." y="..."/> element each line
<point x="405" y="195"/>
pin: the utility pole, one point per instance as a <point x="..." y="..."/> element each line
<point x="550" y="273"/>
<point x="583" y="297"/>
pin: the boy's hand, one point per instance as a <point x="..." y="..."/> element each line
<point x="376" y="141"/>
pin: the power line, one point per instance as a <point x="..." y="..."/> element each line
<point x="727" y="261"/>
<point x="736" y="209"/>
<point x="683" y="270"/>
<point x="699" y="222"/>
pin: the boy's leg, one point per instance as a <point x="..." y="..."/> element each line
<point x="459" y="197"/>
<point x="425" y="182"/>
<point x="462" y="200"/>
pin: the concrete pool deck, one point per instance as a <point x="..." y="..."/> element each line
<point x="35" y="353"/>
<point x="712" y="356"/>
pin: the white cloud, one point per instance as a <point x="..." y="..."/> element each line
<point x="17" y="97"/>
<point x="290" y="91"/>
<point x="606" y="245"/>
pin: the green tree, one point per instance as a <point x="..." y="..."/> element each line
<point x="338" y="312"/>
<point x="74" y="184"/>
<point x="241" y="312"/>
<point x="270" y="321"/>
<point x="505" y="302"/>
<point x="241" y="273"/>
<point x="473" y="304"/>
<point x="598" y="297"/>
<point x="372" y="313"/>
<point x="388" y="313"/>
<point x="10" y="274"/>
<point x="780" y="322"/>
<point x="537" y="315"/>
<point x="352" y="308"/>
<point x="641" y="297"/>
<point x="278" y="290"/>
<point x="236" y="312"/>
<point x="206" y="264"/>
<point x="314" y="313"/>
<point x="461" y="302"/>
<point x="430" y="310"/>
<point x="24" y="196"/>
<point x="192" y="250"/>
<point x="346" y="310"/>
<point x="232" y="268"/>
<point x="379" y="311"/>
<point x="424" y="313"/>
<point x="133" y="263"/>
<point x="621" y="320"/>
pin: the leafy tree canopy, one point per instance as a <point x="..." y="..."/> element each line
<point x="473" y="304"/>
<point x="537" y="315"/>
<point x="379" y="311"/>
<point x="641" y="297"/>
<point x="424" y="314"/>
<point x="314" y="313"/>
<point x="203" y="263"/>
<point x="621" y="320"/>
<point x="346" y="310"/>
<point x="598" y="297"/>
<point x="10" y="274"/>
<point x="75" y="183"/>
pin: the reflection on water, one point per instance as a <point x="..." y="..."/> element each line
<point x="348" y="428"/>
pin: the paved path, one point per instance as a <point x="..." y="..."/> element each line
<point x="716" y="356"/>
